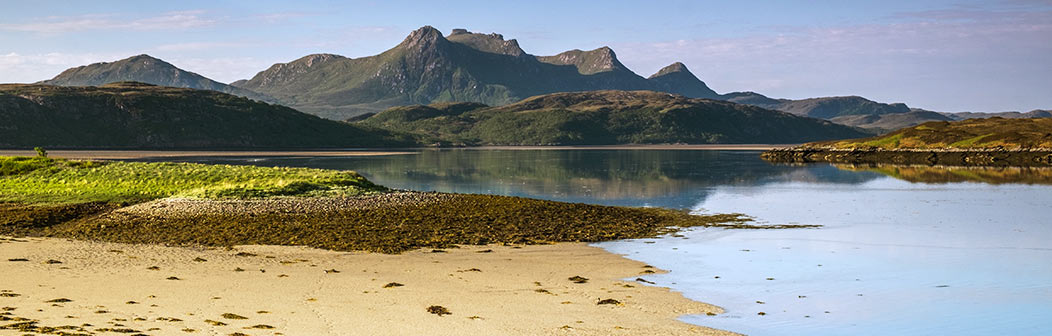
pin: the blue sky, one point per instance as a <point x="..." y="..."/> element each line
<point x="943" y="55"/>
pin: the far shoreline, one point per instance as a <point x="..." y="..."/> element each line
<point x="129" y="154"/>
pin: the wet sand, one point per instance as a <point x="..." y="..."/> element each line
<point x="503" y="290"/>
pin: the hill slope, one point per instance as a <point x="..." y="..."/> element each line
<point x="822" y="108"/>
<point x="606" y="117"/>
<point x="144" y="69"/>
<point x="890" y="122"/>
<point x="428" y="67"/>
<point x="980" y="134"/>
<point x="136" y="115"/>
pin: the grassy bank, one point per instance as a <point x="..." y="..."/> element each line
<point x="222" y="205"/>
<point x="39" y="180"/>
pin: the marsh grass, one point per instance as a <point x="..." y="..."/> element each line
<point x="39" y="180"/>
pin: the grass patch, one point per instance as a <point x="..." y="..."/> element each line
<point x="55" y="181"/>
<point x="970" y="141"/>
<point x="889" y="142"/>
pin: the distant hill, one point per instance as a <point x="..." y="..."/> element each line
<point x="822" y="108"/>
<point x="987" y="133"/>
<point x="1006" y="115"/>
<point x="428" y="67"/>
<point x="884" y="123"/>
<point x="144" y="69"/>
<point x="605" y="117"/>
<point x="137" y="115"/>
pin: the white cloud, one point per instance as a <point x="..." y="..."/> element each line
<point x="63" y="24"/>
<point x="223" y="69"/>
<point x="29" y="68"/>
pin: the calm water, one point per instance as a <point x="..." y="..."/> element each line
<point x="903" y="251"/>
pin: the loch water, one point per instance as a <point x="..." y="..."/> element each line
<point x="901" y="250"/>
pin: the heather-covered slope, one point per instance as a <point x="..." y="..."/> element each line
<point x="136" y="115"/>
<point x="606" y="117"/>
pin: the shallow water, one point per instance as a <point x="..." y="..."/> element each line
<point x="965" y="253"/>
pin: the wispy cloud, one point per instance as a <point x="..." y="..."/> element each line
<point x="28" y="68"/>
<point x="938" y="50"/>
<point x="222" y="69"/>
<point x="61" y="24"/>
<point x="196" y="46"/>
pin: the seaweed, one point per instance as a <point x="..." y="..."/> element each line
<point x="608" y="302"/>
<point x="439" y="310"/>
<point x="578" y="279"/>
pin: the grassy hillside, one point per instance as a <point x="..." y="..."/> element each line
<point x="136" y="115"/>
<point x="144" y="69"/>
<point x="884" y="123"/>
<point x="991" y="133"/>
<point x="606" y="117"/>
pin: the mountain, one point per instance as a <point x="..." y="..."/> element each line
<point x="1006" y="115"/>
<point x="889" y="122"/>
<point x="822" y="108"/>
<point x="428" y="67"/>
<point x="605" y="117"/>
<point x="137" y="115"/>
<point x="676" y="78"/>
<point x="144" y="69"/>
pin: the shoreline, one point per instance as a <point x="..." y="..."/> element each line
<point x="494" y="289"/>
<point x="929" y="157"/>
<point x="125" y="154"/>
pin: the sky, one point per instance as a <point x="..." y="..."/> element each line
<point x="942" y="55"/>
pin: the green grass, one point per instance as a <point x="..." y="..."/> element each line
<point x="970" y="141"/>
<point x="891" y="141"/>
<point x="57" y="181"/>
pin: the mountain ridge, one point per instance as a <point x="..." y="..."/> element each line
<point x="146" y="69"/>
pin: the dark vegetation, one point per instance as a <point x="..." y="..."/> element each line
<point x="605" y="117"/>
<point x="136" y="115"/>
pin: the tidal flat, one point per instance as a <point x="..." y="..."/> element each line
<point x="113" y="238"/>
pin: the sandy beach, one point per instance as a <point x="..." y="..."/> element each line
<point x="281" y="290"/>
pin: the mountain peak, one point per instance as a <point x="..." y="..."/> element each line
<point x="676" y="78"/>
<point x="672" y="68"/>
<point x="143" y="69"/>
<point x="588" y="62"/>
<point x="424" y="36"/>
<point x="491" y="43"/>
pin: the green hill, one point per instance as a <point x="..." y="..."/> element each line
<point x="988" y="133"/>
<point x="605" y="117"/>
<point x="137" y="115"/>
<point x="144" y="69"/>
